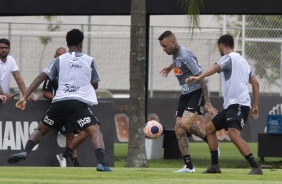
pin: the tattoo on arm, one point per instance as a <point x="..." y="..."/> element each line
<point x="205" y="90"/>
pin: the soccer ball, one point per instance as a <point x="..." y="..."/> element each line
<point x="153" y="129"/>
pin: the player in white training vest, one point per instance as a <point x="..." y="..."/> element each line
<point x="77" y="80"/>
<point x="236" y="74"/>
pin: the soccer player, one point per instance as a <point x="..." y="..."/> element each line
<point x="192" y="98"/>
<point x="236" y="74"/>
<point x="77" y="80"/>
<point x="49" y="91"/>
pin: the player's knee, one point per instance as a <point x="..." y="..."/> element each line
<point x="179" y="130"/>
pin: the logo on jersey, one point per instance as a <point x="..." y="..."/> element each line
<point x="48" y="121"/>
<point x="184" y="87"/>
<point x="74" y="65"/>
<point x="70" y="88"/>
<point x="177" y="71"/>
<point x="84" y="121"/>
<point x="178" y="63"/>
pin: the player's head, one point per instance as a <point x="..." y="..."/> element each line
<point x="60" y="51"/>
<point x="75" y="38"/>
<point x="168" y="42"/>
<point x="225" y="42"/>
<point x="4" y="47"/>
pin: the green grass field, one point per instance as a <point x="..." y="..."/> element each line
<point x="233" y="166"/>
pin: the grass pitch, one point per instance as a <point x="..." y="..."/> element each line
<point x="233" y="166"/>
<point x="85" y="175"/>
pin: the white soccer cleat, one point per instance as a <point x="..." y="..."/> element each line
<point x="62" y="160"/>
<point x="186" y="170"/>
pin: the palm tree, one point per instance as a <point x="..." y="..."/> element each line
<point x="136" y="156"/>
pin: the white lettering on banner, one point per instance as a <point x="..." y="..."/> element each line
<point x="9" y="136"/>
<point x="16" y="136"/>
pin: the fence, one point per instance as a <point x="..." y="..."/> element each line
<point x="258" y="38"/>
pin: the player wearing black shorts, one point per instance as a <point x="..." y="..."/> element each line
<point x="49" y="91"/>
<point x="77" y="80"/>
<point x="192" y="98"/>
<point x="236" y="74"/>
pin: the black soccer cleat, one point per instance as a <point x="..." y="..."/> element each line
<point x="17" y="157"/>
<point x="257" y="171"/>
<point x="213" y="169"/>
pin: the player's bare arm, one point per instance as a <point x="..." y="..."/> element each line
<point x="208" y="106"/>
<point x="37" y="81"/>
<point x="255" y="88"/>
<point x="95" y="85"/>
<point x="210" y="71"/>
<point x="165" y="71"/>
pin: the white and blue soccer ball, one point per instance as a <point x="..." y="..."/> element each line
<point x="153" y="129"/>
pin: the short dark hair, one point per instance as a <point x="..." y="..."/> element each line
<point x="74" y="37"/>
<point x="5" y="41"/>
<point x="227" y="40"/>
<point x="164" y="35"/>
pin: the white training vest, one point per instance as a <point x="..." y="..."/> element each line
<point x="74" y="79"/>
<point x="235" y="89"/>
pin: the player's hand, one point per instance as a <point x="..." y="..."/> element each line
<point x="3" y="98"/>
<point x="210" y="109"/>
<point x="21" y="104"/>
<point x="165" y="71"/>
<point x="9" y="96"/>
<point x="254" y="112"/>
<point x="192" y="79"/>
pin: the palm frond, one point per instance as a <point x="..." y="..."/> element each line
<point x="192" y="8"/>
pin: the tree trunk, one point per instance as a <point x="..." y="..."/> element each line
<point x="136" y="156"/>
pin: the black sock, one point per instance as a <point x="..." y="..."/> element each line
<point x="250" y="158"/>
<point x="188" y="161"/>
<point x="29" y="145"/>
<point x="67" y="153"/>
<point x="214" y="157"/>
<point x="100" y="154"/>
<point x="75" y="161"/>
<point x="205" y="139"/>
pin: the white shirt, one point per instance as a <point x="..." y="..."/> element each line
<point x="75" y="73"/>
<point x="5" y="72"/>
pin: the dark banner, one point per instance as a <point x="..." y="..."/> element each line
<point x="16" y="127"/>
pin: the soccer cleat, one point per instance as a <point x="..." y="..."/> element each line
<point x="257" y="171"/>
<point x="186" y="170"/>
<point x="62" y="160"/>
<point x="213" y="169"/>
<point x="17" y="157"/>
<point x="103" y="168"/>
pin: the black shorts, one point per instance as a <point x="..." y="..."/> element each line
<point x="235" y="116"/>
<point x="192" y="102"/>
<point x="73" y="112"/>
<point x="69" y="128"/>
